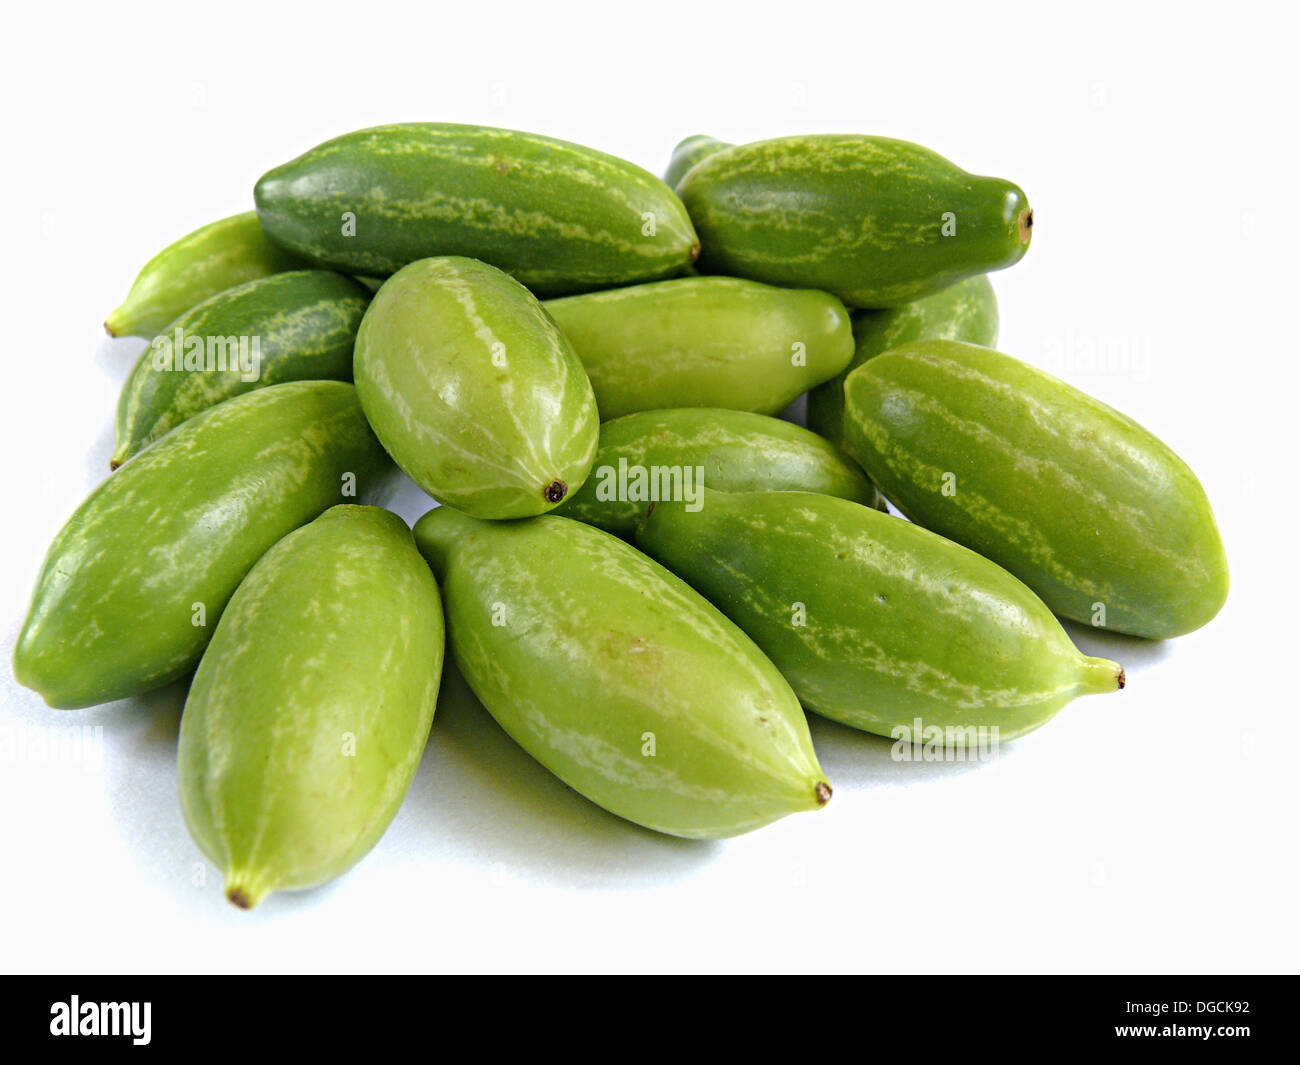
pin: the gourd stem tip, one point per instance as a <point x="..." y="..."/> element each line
<point x="823" y="793"/>
<point x="1099" y="676"/>
<point x="244" y="890"/>
<point x="1025" y="223"/>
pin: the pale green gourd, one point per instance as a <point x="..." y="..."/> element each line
<point x="200" y="264"/>
<point x="310" y="710"/>
<point x="619" y="678"/>
<point x="705" y="342"/>
<point x="473" y="389"/>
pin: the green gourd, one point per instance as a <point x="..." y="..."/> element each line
<point x="965" y="311"/>
<point x="558" y="216"/>
<point x="877" y="222"/>
<point x="675" y="454"/>
<point x="293" y="326"/>
<point x="689" y="152"/>
<point x="1084" y="505"/>
<point x="134" y="583"/>
<point x="875" y="622"/>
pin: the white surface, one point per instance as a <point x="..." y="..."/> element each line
<point x="1152" y="830"/>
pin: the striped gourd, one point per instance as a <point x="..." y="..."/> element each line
<point x="876" y="622"/>
<point x="965" y="311"/>
<point x="310" y="711"/>
<point x="560" y="217"/>
<point x="705" y="342"/>
<point x="473" y="390"/>
<point x="1084" y="505"/>
<point x="688" y="153"/>
<point x="618" y="678"/>
<point x="294" y="326"/>
<point x="134" y="583"/>
<point x="675" y="454"/>
<point x="878" y="222"/>
<point x="199" y="265"/>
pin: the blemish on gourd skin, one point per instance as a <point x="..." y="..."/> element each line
<point x="505" y="166"/>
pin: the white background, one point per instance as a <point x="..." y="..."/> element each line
<point x="1153" y="830"/>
